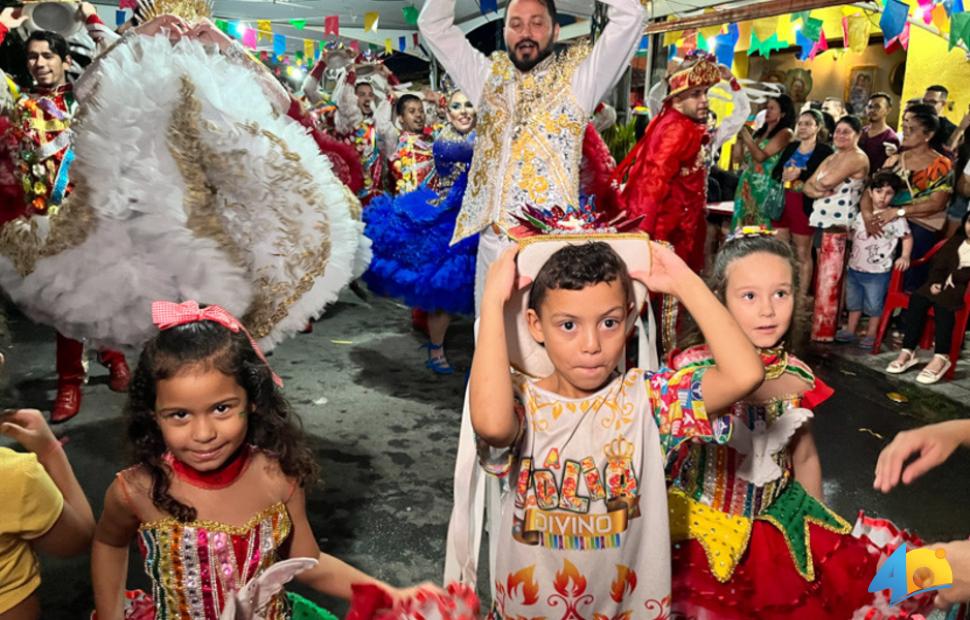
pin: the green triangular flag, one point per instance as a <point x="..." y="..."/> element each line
<point x="222" y="25"/>
<point x="410" y="15"/>
<point x="959" y="29"/>
<point x="801" y="15"/>
<point x="299" y="24"/>
<point x="812" y="28"/>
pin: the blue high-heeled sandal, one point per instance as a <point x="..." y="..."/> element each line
<point x="439" y="365"/>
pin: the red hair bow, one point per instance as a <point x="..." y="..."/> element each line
<point x="167" y="314"/>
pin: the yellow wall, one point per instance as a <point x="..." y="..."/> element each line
<point x="929" y="63"/>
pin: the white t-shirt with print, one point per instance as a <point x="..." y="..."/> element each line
<point x="875" y="254"/>
<point x="584" y="527"/>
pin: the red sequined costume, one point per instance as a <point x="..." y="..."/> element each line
<point x="665" y="174"/>
<point x="37" y="127"/>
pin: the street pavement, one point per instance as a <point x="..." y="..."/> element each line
<point x="384" y="429"/>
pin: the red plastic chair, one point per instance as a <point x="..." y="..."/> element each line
<point x="897" y="298"/>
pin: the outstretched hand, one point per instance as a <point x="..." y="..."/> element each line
<point x="12" y="18"/>
<point x="28" y="428"/>
<point x="174" y="27"/>
<point x="667" y="270"/>
<point x="933" y="444"/>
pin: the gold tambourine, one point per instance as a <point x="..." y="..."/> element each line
<point x="64" y="18"/>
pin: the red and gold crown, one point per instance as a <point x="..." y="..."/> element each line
<point x="698" y="69"/>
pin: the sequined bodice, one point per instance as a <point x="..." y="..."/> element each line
<point x="707" y="473"/>
<point x="193" y="566"/>
<point x="452" y="156"/>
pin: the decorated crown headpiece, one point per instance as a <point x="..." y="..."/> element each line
<point x="744" y="232"/>
<point x="584" y="219"/>
<point x="698" y="69"/>
<point x="189" y="10"/>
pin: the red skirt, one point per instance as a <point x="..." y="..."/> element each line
<point x="766" y="583"/>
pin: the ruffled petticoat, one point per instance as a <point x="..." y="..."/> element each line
<point x="188" y="185"/>
<point x="412" y="259"/>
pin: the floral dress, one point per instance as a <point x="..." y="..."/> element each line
<point x="759" y="198"/>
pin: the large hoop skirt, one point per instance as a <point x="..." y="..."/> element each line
<point x="187" y="184"/>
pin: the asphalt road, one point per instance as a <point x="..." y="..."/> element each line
<point x="385" y="429"/>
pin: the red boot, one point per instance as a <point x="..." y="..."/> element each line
<point x="67" y="403"/>
<point x="119" y="375"/>
<point x="419" y="320"/>
<point x="70" y="376"/>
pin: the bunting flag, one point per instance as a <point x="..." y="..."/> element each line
<point x="925" y="11"/>
<point x="724" y="49"/>
<point x="765" y="47"/>
<point x="235" y="29"/>
<point x="711" y="31"/>
<point x="953" y="7"/>
<point x="785" y="30"/>
<point x="488" y="6"/>
<point x="812" y="28"/>
<point x="387" y="47"/>
<point x="222" y="25"/>
<point x="308" y="49"/>
<point x="644" y="44"/>
<point x="763" y="28"/>
<point x="128" y="4"/>
<point x="331" y="25"/>
<point x="855" y="32"/>
<point x="960" y="30"/>
<point x="264" y="56"/>
<point x="820" y="46"/>
<point x="410" y="15"/>
<point x="355" y="46"/>
<point x="249" y="38"/>
<point x="801" y="16"/>
<point x="264" y="29"/>
<point x="120" y="17"/>
<point x="299" y="24"/>
<point x="415" y="39"/>
<point x="671" y="53"/>
<point x="279" y="45"/>
<point x="805" y="44"/>
<point x="401" y="43"/>
<point x="940" y="18"/>
<point x="370" y="21"/>
<point x="893" y="19"/>
<point x="672" y="36"/>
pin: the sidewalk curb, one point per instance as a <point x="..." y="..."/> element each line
<point x="923" y="402"/>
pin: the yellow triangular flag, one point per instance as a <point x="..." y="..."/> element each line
<point x="370" y="21"/>
<point x="940" y="19"/>
<point x="387" y="46"/>
<point x="858" y="33"/>
<point x="308" y="50"/>
<point x="785" y="29"/>
<point x="765" y="27"/>
<point x="711" y="31"/>
<point x="264" y="29"/>
<point x="671" y="37"/>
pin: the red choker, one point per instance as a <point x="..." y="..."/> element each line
<point x="216" y="479"/>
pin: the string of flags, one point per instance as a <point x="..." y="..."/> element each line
<point x="803" y="30"/>
<point x="311" y="50"/>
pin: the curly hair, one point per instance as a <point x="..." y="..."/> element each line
<point x="574" y="267"/>
<point x="272" y="425"/>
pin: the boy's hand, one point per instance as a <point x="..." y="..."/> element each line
<point x="667" y="270"/>
<point x="902" y="263"/>
<point x="500" y="282"/>
<point x="28" y="428"/>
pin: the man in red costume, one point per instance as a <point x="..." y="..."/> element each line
<point x="665" y="175"/>
<point x="39" y="125"/>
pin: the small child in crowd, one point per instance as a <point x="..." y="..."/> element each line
<point x="584" y="528"/>
<point x="42" y="508"/>
<point x="871" y="262"/>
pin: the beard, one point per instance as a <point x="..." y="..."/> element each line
<point x="528" y="65"/>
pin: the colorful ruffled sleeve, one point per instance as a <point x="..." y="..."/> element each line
<point x="677" y="405"/>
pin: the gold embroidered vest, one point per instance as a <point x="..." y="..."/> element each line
<point x="530" y="142"/>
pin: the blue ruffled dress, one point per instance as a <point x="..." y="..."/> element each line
<point x="411" y="232"/>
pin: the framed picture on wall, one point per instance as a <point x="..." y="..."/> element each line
<point x="861" y="84"/>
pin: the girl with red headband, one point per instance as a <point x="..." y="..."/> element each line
<point x="217" y="494"/>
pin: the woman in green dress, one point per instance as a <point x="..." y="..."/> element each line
<point x="760" y="198"/>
